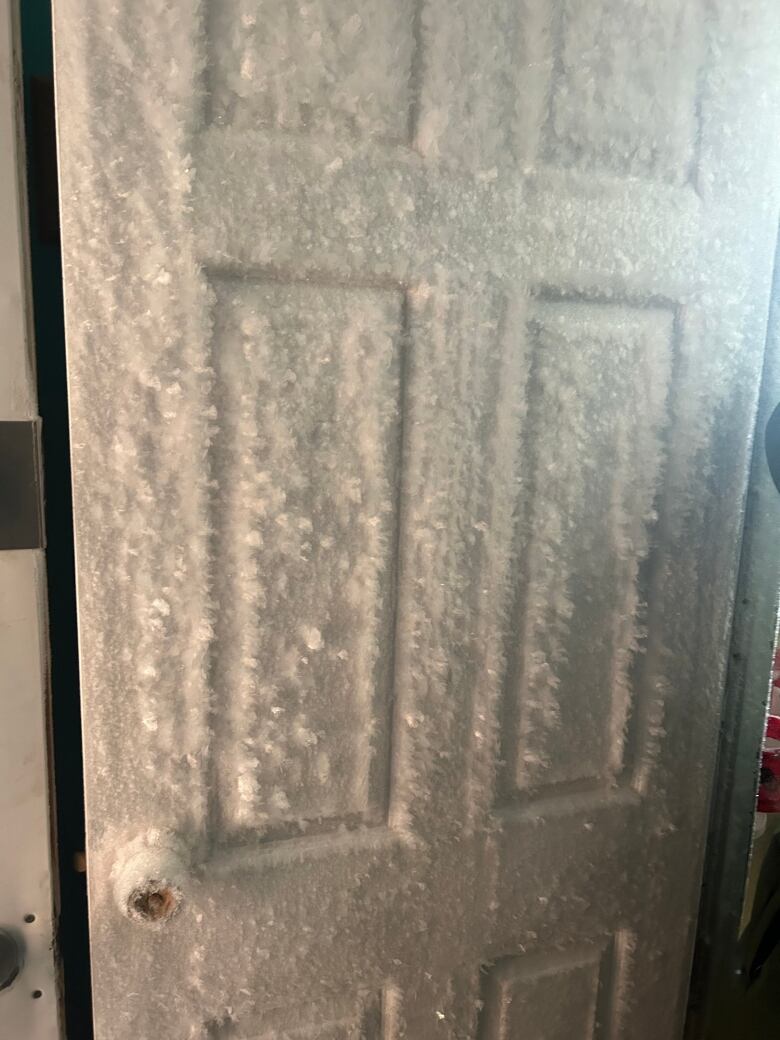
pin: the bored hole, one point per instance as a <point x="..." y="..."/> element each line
<point x="155" y="902"/>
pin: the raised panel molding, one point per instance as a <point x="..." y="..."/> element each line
<point x="602" y="119"/>
<point x="599" y="376"/>
<point x="306" y="476"/>
<point x="371" y="1017"/>
<point x="331" y="67"/>
<point x="574" y="994"/>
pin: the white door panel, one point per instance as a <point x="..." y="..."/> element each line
<point x="414" y="350"/>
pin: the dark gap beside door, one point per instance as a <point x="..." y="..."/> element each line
<point x="48" y="320"/>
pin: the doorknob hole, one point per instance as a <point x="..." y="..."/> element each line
<point x="149" y="879"/>
<point x="154" y="902"/>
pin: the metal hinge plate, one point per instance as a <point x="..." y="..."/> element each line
<point x="21" y="498"/>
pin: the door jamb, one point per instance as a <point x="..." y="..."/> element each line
<point x="743" y="716"/>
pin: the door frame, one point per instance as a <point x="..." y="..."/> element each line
<point x="48" y="322"/>
<point x="30" y="1007"/>
<point x="743" y="714"/>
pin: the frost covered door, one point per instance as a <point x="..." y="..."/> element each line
<point x="414" y="350"/>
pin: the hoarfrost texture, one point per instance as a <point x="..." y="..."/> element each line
<point x="414" y="350"/>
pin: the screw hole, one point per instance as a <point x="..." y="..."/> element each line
<point x="29" y="918"/>
<point x="37" y="994"/>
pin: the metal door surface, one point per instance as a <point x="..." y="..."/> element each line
<point x="414" y="348"/>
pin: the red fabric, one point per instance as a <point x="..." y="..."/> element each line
<point x="769" y="787"/>
<point x="773" y="727"/>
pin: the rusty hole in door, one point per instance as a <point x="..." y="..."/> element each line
<point x="154" y="902"/>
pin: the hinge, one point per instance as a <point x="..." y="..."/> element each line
<point x="21" y="493"/>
